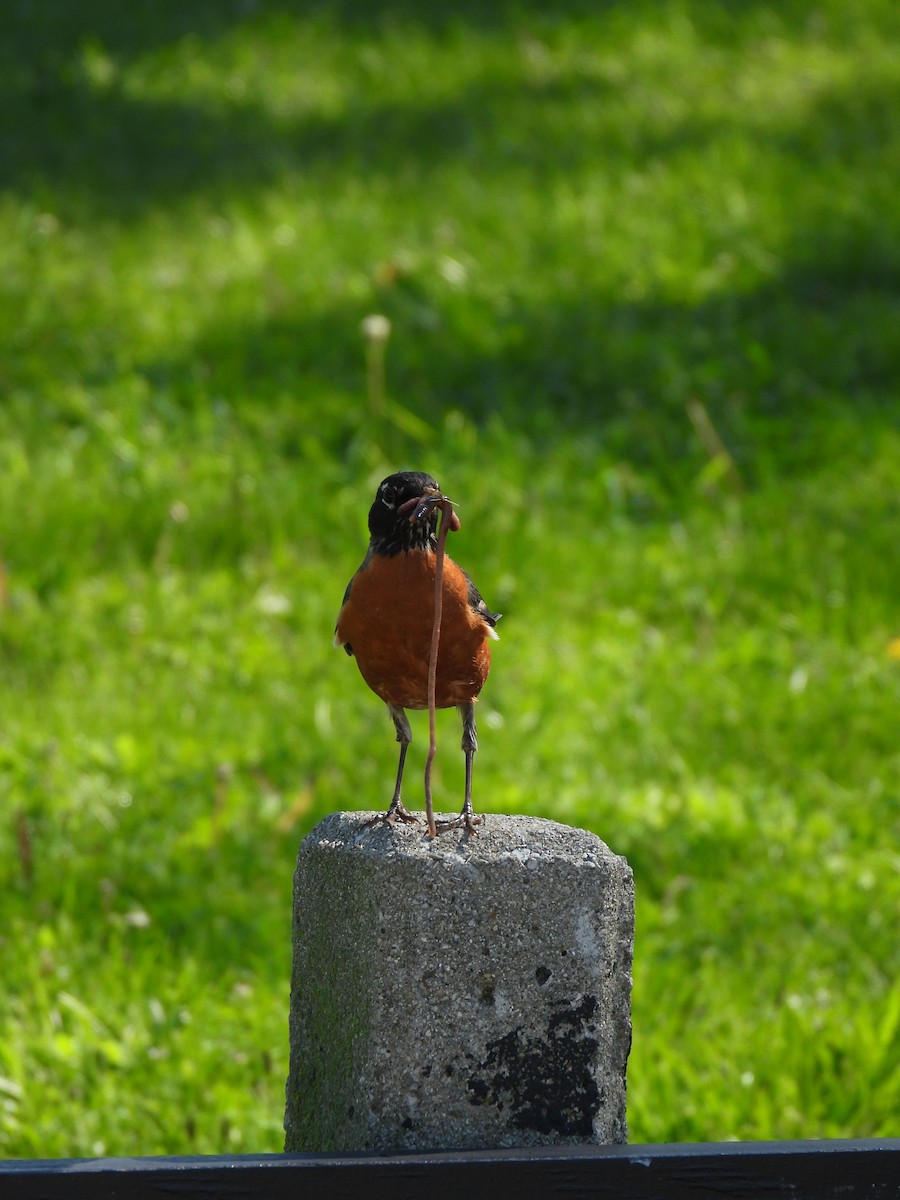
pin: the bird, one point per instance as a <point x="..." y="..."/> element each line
<point x="386" y="622"/>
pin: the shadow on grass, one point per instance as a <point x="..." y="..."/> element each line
<point x="87" y="145"/>
<point x="619" y="370"/>
<point x="774" y="368"/>
<point x="46" y="34"/>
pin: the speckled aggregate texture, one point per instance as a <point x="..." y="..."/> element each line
<point x="461" y="993"/>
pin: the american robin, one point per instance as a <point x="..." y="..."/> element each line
<point x="387" y="617"/>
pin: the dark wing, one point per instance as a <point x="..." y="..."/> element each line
<point x="346" y="645"/>
<point x="478" y="605"/>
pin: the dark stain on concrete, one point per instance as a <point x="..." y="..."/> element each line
<point x="546" y="1082"/>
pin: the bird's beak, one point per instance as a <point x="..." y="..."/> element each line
<point x="421" y="506"/>
<point x="429" y="499"/>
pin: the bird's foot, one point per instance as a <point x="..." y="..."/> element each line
<point x="397" y="812"/>
<point x="466" y="820"/>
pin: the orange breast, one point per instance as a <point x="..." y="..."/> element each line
<point x="388" y="621"/>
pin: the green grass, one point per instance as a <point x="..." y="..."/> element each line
<point x="581" y="222"/>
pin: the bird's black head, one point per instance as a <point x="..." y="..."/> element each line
<point x="393" y="530"/>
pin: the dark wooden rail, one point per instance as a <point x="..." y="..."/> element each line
<point x="827" y="1170"/>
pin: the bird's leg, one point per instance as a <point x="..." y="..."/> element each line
<point x="466" y="819"/>
<point x="397" y="811"/>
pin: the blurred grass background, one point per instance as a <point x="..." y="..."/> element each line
<point x="642" y="264"/>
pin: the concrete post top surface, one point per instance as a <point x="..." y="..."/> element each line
<point x="529" y="841"/>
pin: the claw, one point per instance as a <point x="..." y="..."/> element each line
<point x="396" y="812"/>
<point x="465" y="820"/>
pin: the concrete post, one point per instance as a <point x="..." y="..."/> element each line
<point x="461" y="993"/>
